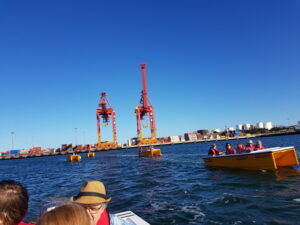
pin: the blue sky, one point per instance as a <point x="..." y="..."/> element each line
<point x="210" y="64"/>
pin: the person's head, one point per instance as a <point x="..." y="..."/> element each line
<point x="93" y="198"/>
<point x="213" y="145"/>
<point x="259" y="143"/>
<point x="13" y="202"/>
<point x="228" y="146"/>
<point x="68" y="214"/>
<point x="240" y="145"/>
<point x="250" y="142"/>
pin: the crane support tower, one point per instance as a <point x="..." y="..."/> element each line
<point x="107" y="113"/>
<point x="145" y="109"/>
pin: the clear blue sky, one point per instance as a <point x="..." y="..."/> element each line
<point x="210" y="64"/>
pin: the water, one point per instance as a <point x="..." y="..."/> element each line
<point x="174" y="189"/>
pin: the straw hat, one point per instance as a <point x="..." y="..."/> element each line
<point x="92" y="192"/>
<point x="250" y="142"/>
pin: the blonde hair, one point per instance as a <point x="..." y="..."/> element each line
<point x="69" y="214"/>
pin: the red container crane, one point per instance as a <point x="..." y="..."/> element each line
<point x="105" y="111"/>
<point x="145" y="109"/>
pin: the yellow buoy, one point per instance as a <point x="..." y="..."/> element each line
<point x="90" y="154"/>
<point x="74" y="158"/>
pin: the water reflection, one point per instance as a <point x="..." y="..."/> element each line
<point x="287" y="173"/>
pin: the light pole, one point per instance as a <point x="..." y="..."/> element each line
<point x="75" y="129"/>
<point x="83" y="138"/>
<point x="32" y="143"/>
<point x="12" y="140"/>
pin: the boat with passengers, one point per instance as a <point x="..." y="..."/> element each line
<point x="149" y="151"/>
<point x="267" y="159"/>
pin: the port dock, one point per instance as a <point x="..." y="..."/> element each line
<point x="124" y="148"/>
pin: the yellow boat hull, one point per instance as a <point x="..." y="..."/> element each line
<point x="268" y="159"/>
<point x="90" y="154"/>
<point x="150" y="153"/>
<point x="74" y="158"/>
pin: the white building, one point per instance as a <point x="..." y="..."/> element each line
<point x="297" y="127"/>
<point x="239" y="127"/>
<point x="268" y="125"/>
<point x="260" y="125"/>
<point x="174" y="139"/>
<point x="247" y="126"/>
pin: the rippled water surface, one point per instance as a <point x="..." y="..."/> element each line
<point x="174" y="189"/>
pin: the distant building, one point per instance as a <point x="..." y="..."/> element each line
<point x="174" y="139"/>
<point x="260" y="125"/>
<point x="297" y="127"/>
<point x="268" y="125"/>
<point x="239" y="127"/>
<point x="203" y="132"/>
<point x="247" y="126"/>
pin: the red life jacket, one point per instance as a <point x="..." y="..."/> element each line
<point x="104" y="219"/>
<point x="250" y="148"/>
<point x="241" y="149"/>
<point x="22" y="223"/>
<point x="229" y="151"/>
<point x="261" y="148"/>
<point x="214" y="151"/>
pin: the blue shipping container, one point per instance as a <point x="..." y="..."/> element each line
<point x="15" y="152"/>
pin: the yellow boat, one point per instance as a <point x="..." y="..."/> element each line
<point x="90" y="154"/>
<point x="267" y="159"/>
<point x="150" y="153"/>
<point x="74" y="158"/>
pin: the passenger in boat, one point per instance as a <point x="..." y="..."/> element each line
<point x="250" y="146"/>
<point x="143" y="149"/>
<point x="64" y="213"/>
<point x="92" y="196"/>
<point x="213" y="150"/>
<point x="229" y="149"/>
<point x="13" y="203"/>
<point x="240" y="149"/>
<point x="259" y="146"/>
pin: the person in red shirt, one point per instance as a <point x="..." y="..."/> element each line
<point x="13" y="203"/>
<point x="259" y="146"/>
<point x="240" y="149"/>
<point x="92" y="196"/>
<point x="250" y="146"/>
<point x="229" y="149"/>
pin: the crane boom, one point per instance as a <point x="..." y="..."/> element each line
<point x="106" y="112"/>
<point x="145" y="109"/>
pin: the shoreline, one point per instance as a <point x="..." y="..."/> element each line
<point x="158" y="144"/>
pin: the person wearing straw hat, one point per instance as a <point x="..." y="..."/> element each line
<point x="92" y="196"/>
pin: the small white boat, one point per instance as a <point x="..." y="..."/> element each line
<point x="132" y="217"/>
